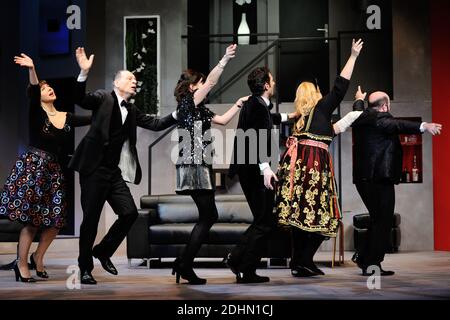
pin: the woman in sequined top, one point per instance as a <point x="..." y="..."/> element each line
<point x="194" y="165"/>
<point x="34" y="193"/>
<point x="307" y="197"/>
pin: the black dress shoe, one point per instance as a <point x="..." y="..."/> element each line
<point x="228" y="261"/>
<point x="303" y="272"/>
<point x="311" y="266"/>
<point x="358" y="260"/>
<point x="384" y="273"/>
<point x="251" y="278"/>
<point x="87" y="278"/>
<point x="107" y="265"/>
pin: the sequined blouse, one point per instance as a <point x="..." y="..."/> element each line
<point x="43" y="134"/>
<point x="194" y="124"/>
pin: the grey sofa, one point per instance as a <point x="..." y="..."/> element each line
<point x="165" y="223"/>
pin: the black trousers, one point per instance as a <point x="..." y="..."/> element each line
<point x="379" y="199"/>
<point x="208" y="215"/>
<point x="248" y="252"/>
<point x="104" y="184"/>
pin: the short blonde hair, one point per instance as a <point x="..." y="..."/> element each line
<point x="306" y="99"/>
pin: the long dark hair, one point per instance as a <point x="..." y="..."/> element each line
<point x="187" y="78"/>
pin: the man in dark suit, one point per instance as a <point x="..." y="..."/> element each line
<point x="377" y="168"/>
<point x="105" y="159"/>
<point x="251" y="164"/>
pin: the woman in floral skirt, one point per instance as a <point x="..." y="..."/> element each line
<point x="34" y="193"/>
<point x="307" y="196"/>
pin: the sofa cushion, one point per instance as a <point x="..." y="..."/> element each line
<point x="8" y="226"/>
<point x="362" y="221"/>
<point x="182" y="209"/>
<point x="153" y="201"/>
<point x="234" y="212"/>
<point x="220" y="233"/>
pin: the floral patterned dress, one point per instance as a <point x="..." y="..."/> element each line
<point x="34" y="192"/>
<point x="307" y="196"/>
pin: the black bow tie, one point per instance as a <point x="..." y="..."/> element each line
<point x="270" y="106"/>
<point x="125" y="104"/>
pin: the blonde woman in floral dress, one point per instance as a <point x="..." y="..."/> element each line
<point x="306" y="196"/>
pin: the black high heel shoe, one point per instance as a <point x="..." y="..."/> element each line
<point x="40" y="274"/>
<point x="187" y="273"/>
<point x="19" y="276"/>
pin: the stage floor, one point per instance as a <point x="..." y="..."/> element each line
<point x="419" y="275"/>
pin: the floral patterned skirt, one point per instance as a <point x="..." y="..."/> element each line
<point x="306" y="196"/>
<point x="34" y="191"/>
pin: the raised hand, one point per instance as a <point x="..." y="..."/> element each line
<point x="84" y="63"/>
<point x="24" y="61"/>
<point x="359" y="95"/>
<point x="433" y="128"/>
<point x="356" y="47"/>
<point x="231" y="51"/>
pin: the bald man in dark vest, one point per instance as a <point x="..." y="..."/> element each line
<point x="377" y="168"/>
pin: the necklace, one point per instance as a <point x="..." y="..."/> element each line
<point x="51" y="114"/>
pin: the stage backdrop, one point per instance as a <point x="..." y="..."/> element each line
<point x="141" y="56"/>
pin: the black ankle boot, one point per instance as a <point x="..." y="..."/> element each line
<point x="186" y="272"/>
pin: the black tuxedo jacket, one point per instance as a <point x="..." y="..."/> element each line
<point x="255" y="114"/>
<point x="90" y="151"/>
<point x="377" y="150"/>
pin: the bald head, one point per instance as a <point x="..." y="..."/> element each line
<point x="380" y="101"/>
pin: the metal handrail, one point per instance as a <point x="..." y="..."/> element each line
<point x="228" y="35"/>
<point x="262" y="54"/>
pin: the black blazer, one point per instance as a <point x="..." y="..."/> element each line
<point x="90" y="151"/>
<point x="377" y="150"/>
<point x="255" y="114"/>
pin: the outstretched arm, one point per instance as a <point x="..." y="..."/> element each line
<point x="331" y="101"/>
<point x="81" y="121"/>
<point x="91" y="100"/>
<point x="345" y="122"/>
<point x="25" y="61"/>
<point x="149" y="122"/>
<point x="349" y="66"/>
<point x="214" y="75"/>
<point x="227" y="116"/>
